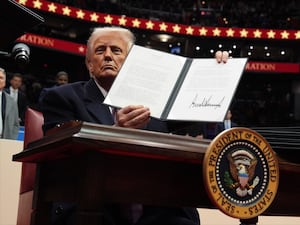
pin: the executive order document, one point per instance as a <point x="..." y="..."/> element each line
<point x="175" y="87"/>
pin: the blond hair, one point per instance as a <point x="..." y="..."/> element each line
<point x="126" y="34"/>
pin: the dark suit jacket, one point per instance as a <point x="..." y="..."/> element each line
<point x="22" y="105"/>
<point x="83" y="101"/>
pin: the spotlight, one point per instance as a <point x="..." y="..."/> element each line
<point x="20" y="53"/>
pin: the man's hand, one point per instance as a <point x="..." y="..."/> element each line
<point x="133" y="116"/>
<point x="222" y="56"/>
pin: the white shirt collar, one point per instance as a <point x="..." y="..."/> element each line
<point x="12" y="89"/>
<point x="103" y="91"/>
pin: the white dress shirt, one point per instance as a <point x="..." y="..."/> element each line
<point x="227" y="124"/>
<point x="14" y="93"/>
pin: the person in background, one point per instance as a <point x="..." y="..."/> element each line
<point x="9" y="114"/>
<point x="61" y="78"/>
<point x="14" y="90"/>
<point x="226" y="124"/>
<point x="107" y="49"/>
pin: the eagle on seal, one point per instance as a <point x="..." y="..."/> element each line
<point x="242" y="169"/>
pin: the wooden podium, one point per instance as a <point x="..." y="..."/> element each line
<point x="92" y="165"/>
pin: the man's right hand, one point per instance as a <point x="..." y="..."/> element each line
<point x="133" y="116"/>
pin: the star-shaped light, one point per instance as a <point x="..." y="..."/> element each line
<point x="52" y="7"/>
<point x="122" y="21"/>
<point x="176" y="28"/>
<point x="285" y="34"/>
<point x="80" y="14"/>
<point x="163" y="27"/>
<point x="81" y="49"/>
<point x="297" y="34"/>
<point x="108" y="19"/>
<point x="230" y="32"/>
<point x="66" y="11"/>
<point x="136" y="23"/>
<point x="271" y="34"/>
<point x="216" y="32"/>
<point x="149" y="25"/>
<point x="244" y="33"/>
<point x="22" y="2"/>
<point x="203" y="31"/>
<point x="94" y="17"/>
<point x="37" y="4"/>
<point x="189" y="30"/>
<point x="257" y="33"/>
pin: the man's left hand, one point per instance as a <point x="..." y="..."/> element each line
<point x="222" y="56"/>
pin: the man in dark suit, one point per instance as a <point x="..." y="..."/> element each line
<point x="9" y="119"/>
<point x="19" y="96"/>
<point x="107" y="49"/>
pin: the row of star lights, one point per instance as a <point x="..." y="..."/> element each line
<point x="138" y="23"/>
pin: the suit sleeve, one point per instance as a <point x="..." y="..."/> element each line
<point x="56" y="108"/>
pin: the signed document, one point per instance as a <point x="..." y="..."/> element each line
<point x="176" y="87"/>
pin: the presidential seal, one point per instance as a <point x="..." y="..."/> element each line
<point x="241" y="173"/>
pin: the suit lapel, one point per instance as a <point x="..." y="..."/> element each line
<point x="3" y="106"/>
<point x="94" y="104"/>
